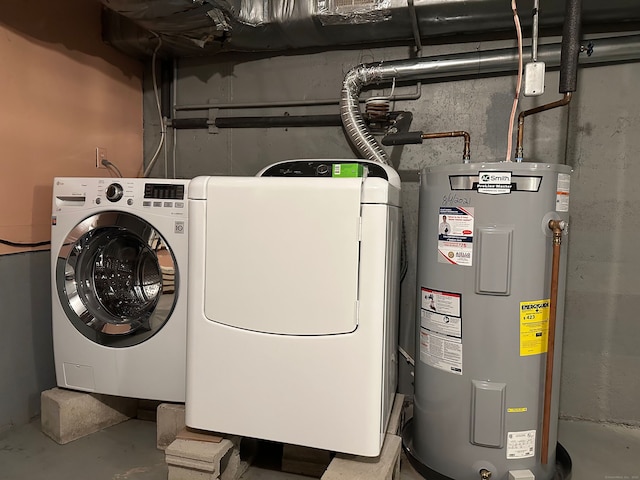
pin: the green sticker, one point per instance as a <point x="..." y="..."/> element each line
<point x="347" y="170"/>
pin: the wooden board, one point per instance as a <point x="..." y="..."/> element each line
<point x="198" y="435"/>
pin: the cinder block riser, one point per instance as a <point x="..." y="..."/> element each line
<point x="67" y="415"/>
<point x="384" y="467"/>
<point x="170" y="420"/>
<point x="206" y="460"/>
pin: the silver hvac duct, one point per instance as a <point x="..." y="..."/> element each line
<point x="204" y="27"/>
<point x="472" y="64"/>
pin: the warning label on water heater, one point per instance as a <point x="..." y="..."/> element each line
<point x="441" y="330"/>
<point x="521" y="444"/>
<point x="455" y="235"/>
<point x="562" y="192"/>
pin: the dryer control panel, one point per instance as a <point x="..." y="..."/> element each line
<point x="319" y="168"/>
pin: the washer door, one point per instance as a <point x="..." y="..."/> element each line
<point x="116" y="279"/>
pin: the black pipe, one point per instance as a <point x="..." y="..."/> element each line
<point x="259" y="122"/>
<point x="190" y="123"/>
<point x="166" y="83"/>
<point x="402" y="138"/>
<point x="570" y="48"/>
<point x="281" y="121"/>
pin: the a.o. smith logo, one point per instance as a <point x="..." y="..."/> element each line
<point x="500" y="178"/>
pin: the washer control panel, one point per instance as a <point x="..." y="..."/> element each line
<point x="166" y="196"/>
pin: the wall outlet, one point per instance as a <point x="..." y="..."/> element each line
<point x="101" y="154"/>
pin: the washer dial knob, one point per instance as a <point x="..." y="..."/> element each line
<point x="114" y="192"/>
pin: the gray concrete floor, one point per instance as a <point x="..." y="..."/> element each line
<point x="127" y="452"/>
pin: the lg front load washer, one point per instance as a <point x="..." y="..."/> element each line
<point x="119" y="277"/>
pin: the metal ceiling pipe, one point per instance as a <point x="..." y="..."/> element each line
<point x="472" y="64"/>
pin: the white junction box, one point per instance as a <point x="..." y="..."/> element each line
<point x="534" y="79"/>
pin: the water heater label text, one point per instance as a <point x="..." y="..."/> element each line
<point x="455" y="235"/>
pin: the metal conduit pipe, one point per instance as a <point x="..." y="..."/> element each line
<point x="283" y="121"/>
<point x="472" y="64"/>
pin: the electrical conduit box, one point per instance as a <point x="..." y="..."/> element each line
<point x="534" y="79"/>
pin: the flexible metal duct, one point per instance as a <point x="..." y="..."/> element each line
<point x="202" y="27"/>
<point x="605" y="50"/>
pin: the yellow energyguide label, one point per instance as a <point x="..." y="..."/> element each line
<point x="534" y="327"/>
<point x="517" y="410"/>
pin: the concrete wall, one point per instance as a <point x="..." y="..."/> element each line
<point x="601" y="358"/>
<point x="597" y="131"/>
<point x="64" y="93"/>
<point x="26" y="350"/>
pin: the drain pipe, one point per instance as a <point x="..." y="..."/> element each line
<point x="568" y="69"/>
<point x="471" y="64"/>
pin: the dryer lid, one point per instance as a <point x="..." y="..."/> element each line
<point x="282" y="254"/>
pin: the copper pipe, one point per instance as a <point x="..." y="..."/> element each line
<point x="525" y="113"/>
<point x="466" y="155"/>
<point x="557" y="227"/>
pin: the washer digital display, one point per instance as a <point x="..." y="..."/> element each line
<point x="164" y="191"/>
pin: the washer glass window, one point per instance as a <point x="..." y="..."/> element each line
<point x="116" y="279"/>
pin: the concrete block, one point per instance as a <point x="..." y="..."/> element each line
<point x="169" y="421"/>
<point x="196" y="460"/>
<point x="181" y="473"/>
<point x="396" y="419"/>
<point x="67" y="415"/>
<point x="189" y="459"/>
<point x="239" y="459"/>
<point x="384" y="467"/>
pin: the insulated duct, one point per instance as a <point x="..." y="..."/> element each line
<point x="472" y="64"/>
<point x="205" y="27"/>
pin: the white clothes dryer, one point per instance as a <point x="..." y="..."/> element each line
<point x="293" y="304"/>
<point x="119" y="278"/>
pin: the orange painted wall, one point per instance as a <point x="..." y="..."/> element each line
<point x="63" y="92"/>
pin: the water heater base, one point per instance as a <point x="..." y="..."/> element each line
<point x="563" y="459"/>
